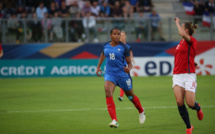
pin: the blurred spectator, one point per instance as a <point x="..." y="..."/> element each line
<point x="47" y="25"/>
<point x="145" y="5"/>
<point x="105" y="10"/>
<point x="127" y="9"/>
<point x="95" y="8"/>
<point x="86" y="8"/>
<point x="210" y="6"/>
<point x="13" y="27"/>
<point x="2" y="11"/>
<point x="134" y="4"/>
<point x="58" y="3"/>
<point x="117" y="11"/>
<point x="63" y="11"/>
<point x="141" y="27"/>
<point x="69" y="2"/>
<point x="41" y="10"/>
<point x="199" y="9"/>
<point x="74" y="10"/>
<point x="20" y="10"/>
<point x="52" y="9"/>
<point x="89" y="23"/>
<point x="112" y="3"/>
<point x="36" y="28"/>
<point x="57" y="26"/>
<point x="23" y="24"/>
<point x="100" y="2"/>
<point x="75" y="30"/>
<point x="155" y="24"/>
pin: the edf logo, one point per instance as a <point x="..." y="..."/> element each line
<point x="164" y="67"/>
<point x="155" y="66"/>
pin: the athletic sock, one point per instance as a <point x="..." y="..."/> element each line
<point x="196" y="107"/>
<point x="184" y="115"/>
<point x="111" y="107"/>
<point x="137" y="104"/>
<point x="121" y="92"/>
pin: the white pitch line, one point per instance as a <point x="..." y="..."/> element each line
<point x="94" y="109"/>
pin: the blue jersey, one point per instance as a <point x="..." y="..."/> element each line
<point x="129" y="48"/>
<point x="115" y="58"/>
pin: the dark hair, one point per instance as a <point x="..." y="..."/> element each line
<point x="190" y="27"/>
<point x="114" y="29"/>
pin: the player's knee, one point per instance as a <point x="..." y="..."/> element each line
<point x="180" y="102"/>
<point x="190" y="104"/>
<point x="130" y="98"/>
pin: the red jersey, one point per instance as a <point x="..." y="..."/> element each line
<point x="184" y="56"/>
<point x="0" y="47"/>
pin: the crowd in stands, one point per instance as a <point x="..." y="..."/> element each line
<point x="202" y="7"/>
<point x="46" y="15"/>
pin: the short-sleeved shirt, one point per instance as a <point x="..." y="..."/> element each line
<point x="184" y="56"/>
<point x="129" y="48"/>
<point x="115" y="58"/>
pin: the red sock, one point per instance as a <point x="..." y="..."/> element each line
<point x="121" y="92"/>
<point x="111" y="107"/>
<point x="137" y="104"/>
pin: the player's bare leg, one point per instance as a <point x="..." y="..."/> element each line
<point x="179" y="96"/>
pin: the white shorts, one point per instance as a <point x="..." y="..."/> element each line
<point x="187" y="81"/>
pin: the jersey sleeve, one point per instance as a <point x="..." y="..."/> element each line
<point x="192" y="40"/>
<point x="130" y="48"/>
<point x="0" y="47"/>
<point x="127" y="52"/>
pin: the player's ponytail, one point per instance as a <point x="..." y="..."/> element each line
<point x="191" y="27"/>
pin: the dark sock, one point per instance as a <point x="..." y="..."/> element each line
<point x="184" y="115"/>
<point x="196" y="107"/>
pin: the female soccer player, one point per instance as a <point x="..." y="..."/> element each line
<point x="123" y="40"/>
<point x="184" y="77"/>
<point x="117" y="74"/>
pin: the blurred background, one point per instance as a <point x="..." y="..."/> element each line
<point x="30" y="21"/>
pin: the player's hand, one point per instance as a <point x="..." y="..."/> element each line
<point x="177" y="20"/>
<point x="126" y="69"/>
<point x="98" y="72"/>
<point x="133" y="61"/>
<point x="195" y="64"/>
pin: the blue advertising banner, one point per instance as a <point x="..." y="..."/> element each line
<point x="48" y="68"/>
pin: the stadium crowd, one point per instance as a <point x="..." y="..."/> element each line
<point x="47" y="15"/>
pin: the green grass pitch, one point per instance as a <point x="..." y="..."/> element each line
<point x="76" y="105"/>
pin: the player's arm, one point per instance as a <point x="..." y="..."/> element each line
<point x="129" y="67"/>
<point x="1" y="53"/>
<point x="101" y="59"/>
<point x="132" y="58"/>
<point x="181" y="31"/>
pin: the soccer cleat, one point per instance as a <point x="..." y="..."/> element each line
<point x="142" y="117"/>
<point x="189" y="130"/>
<point x="200" y="114"/>
<point x="120" y="98"/>
<point x="114" y="124"/>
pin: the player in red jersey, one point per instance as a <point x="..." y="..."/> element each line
<point x="123" y="40"/>
<point x="184" y="77"/>
<point x="1" y="51"/>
